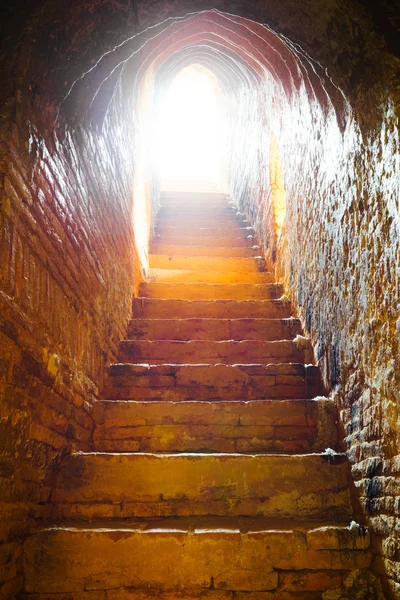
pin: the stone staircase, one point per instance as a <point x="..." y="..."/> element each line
<point x="208" y="477"/>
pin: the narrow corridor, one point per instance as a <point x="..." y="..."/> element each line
<point x="264" y="326"/>
<point x="209" y="469"/>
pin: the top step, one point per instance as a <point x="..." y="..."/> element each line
<point x="196" y="198"/>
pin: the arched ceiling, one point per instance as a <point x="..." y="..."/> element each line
<point x="237" y="50"/>
<point x="73" y="57"/>
<point x="230" y="70"/>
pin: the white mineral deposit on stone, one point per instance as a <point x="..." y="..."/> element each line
<point x="301" y="340"/>
<point x="329" y="452"/>
<point x="354" y="527"/>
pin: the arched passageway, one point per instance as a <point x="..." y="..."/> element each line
<point x="310" y="96"/>
<point x="190" y="132"/>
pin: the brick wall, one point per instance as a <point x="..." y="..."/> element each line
<point x="68" y="273"/>
<point x="338" y="254"/>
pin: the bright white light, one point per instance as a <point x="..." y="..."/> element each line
<point x="191" y="129"/>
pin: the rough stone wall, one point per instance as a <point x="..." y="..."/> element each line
<point x="68" y="270"/>
<point x="344" y="249"/>
<point x="67" y="278"/>
<point x="338" y="254"/>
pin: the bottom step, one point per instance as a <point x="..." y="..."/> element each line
<point x="191" y="559"/>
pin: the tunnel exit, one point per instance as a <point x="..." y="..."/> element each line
<point x="191" y="132"/>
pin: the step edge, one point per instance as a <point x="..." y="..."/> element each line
<point x="316" y="399"/>
<point x="342" y="457"/>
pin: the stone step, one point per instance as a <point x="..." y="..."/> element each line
<point x="214" y="329"/>
<point x="211" y="291"/>
<point x="188" y="239"/>
<point x="278" y="426"/>
<point x="160" y="308"/>
<point x="204" y="232"/>
<point x="203" y="276"/>
<point x="212" y="251"/>
<point x="211" y="382"/>
<point x="206" y="211"/>
<point x="213" y="352"/>
<point x="193" y="197"/>
<point x="192" y="559"/>
<point x="123" y="485"/>
<point x="177" y="207"/>
<point x="208" y="263"/>
<point x="225" y="223"/>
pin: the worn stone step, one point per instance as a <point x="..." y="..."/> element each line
<point x="213" y="352"/>
<point x="187" y="239"/>
<point x="212" y="291"/>
<point x="206" y="211"/>
<point x="192" y="559"/>
<point x="178" y="207"/>
<point x="226" y="225"/>
<point x="216" y="198"/>
<point x="278" y="426"/>
<point x="204" y="232"/>
<point x="214" y="329"/>
<point x="211" y="382"/>
<point x="208" y="263"/>
<point x="184" y="197"/>
<point x="219" y="309"/>
<point x="193" y="250"/>
<point x="203" y="276"/>
<point x="123" y="485"/>
<point x="196" y="213"/>
<point x="200" y="213"/>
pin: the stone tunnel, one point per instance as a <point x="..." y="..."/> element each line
<point x="309" y="93"/>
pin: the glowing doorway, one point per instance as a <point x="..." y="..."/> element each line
<point x="191" y="132"/>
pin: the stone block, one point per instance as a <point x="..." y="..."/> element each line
<point x="309" y="581"/>
<point x="210" y="291"/>
<point x="175" y="484"/>
<point x="168" y="561"/>
<point x="159" y="308"/>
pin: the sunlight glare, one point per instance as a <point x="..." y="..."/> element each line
<point x="191" y="128"/>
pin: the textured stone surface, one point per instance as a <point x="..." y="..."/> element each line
<point x="214" y="329"/>
<point x="212" y="263"/>
<point x="200" y="234"/>
<point x="64" y="305"/>
<point x="127" y="485"/>
<point x="207" y="291"/>
<point x="260" y="426"/>
<point x="220" y="309"/>
<point x="338" y="252"/>
<point x="213" y="352"/>
<point x="212" y="381"/>
<point x="224" y="559"/>
<point x="180" y="239"/>
<point x="192" y="276"/>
